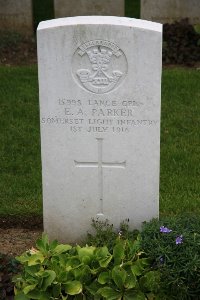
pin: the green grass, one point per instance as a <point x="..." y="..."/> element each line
<point x="180" y="142"/>
<point x="20" y="167"/>
<point x="20" y="164"/>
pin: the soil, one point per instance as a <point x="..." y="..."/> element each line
<point x="15" y="241"/>
<point x="18" y="234"/>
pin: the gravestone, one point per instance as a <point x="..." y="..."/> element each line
<point x="68" y="8"/>
<point x="169" y="11"/>
<point x="99" y="82"/>
<point x="16" y="16"/>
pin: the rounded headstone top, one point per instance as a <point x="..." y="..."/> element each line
<point x="100" y="20"/>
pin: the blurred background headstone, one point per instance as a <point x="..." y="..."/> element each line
<point x="169" y="11"/>
<point x="16" y="16"/>
<point x="68" y="8"/>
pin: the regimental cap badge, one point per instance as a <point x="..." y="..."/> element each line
<point x="105" y="66"/>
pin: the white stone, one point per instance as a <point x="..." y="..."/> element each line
<point x="69" y="8"/>
<point x="100" y="86"/>
<point x="169" y="11"/>
<point x="16" y="16"/>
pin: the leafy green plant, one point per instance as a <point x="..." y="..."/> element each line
<point x="173" y="244"/>
<point x="57" y="271"/>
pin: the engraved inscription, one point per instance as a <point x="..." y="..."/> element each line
<point x="105" y="66"/>
<point x="118" y="116"/>
<point x="100" y="165"/>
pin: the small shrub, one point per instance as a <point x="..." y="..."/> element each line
<point x="9" y="39"/>
<point x="104" y="233"/>
<point x="16" y="48"/>
<point x="173" y="244"/>
<point x="181" y="43"/>
<point x="56" y="271"/>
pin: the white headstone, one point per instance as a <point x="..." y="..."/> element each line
<point x="169" y="11"/>
<point x="100" y="87"/>
<point x="16" y="16"/>
<point x="69" y="8"/>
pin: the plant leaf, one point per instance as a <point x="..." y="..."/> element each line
<point x="103" y="256"/>
<point x="38" y="295"/>
<point x="105" y="261"/>
<point x="150" y="281"/>
<point x="102" y="253"/>
<point x="134" y="247"/>
<point x="93" y="287"/>
<point x="53" y="245"/>
<point x="133" y="295"/>
<point x="73" y="287"/>
<point x="118" y="252"/>
<point x="109" y="293"/>
<point x="21" y="296"/>
<point x="29" y="288"/>
<point x="23" y="258"/>
<point x="49" y="277"/>
<point x="144" y="262"/>
<point x="131" y="281"/>
<point x="36" y="259"/>
<point x="43" y="244"/>
<point x="86" y="252"/>
<point x="137" y="268"/>
<point x="103" y="277"/>
<point x="119" y="276"/>
<point x="61" y="249"/>
<point x="56" y="290"/>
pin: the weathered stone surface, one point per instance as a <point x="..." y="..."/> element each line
<point x="100" y="81"/>
<point x="68" y="8"/>
<point x="169" y="11"/>
<point x="16" y="16"/>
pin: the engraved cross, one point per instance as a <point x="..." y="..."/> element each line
<point x="100" y="165"/>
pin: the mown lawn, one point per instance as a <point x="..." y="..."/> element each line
<point x="20" y="162"/>
<point x="180" y="142"/>
<point x="20" y="166"/>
